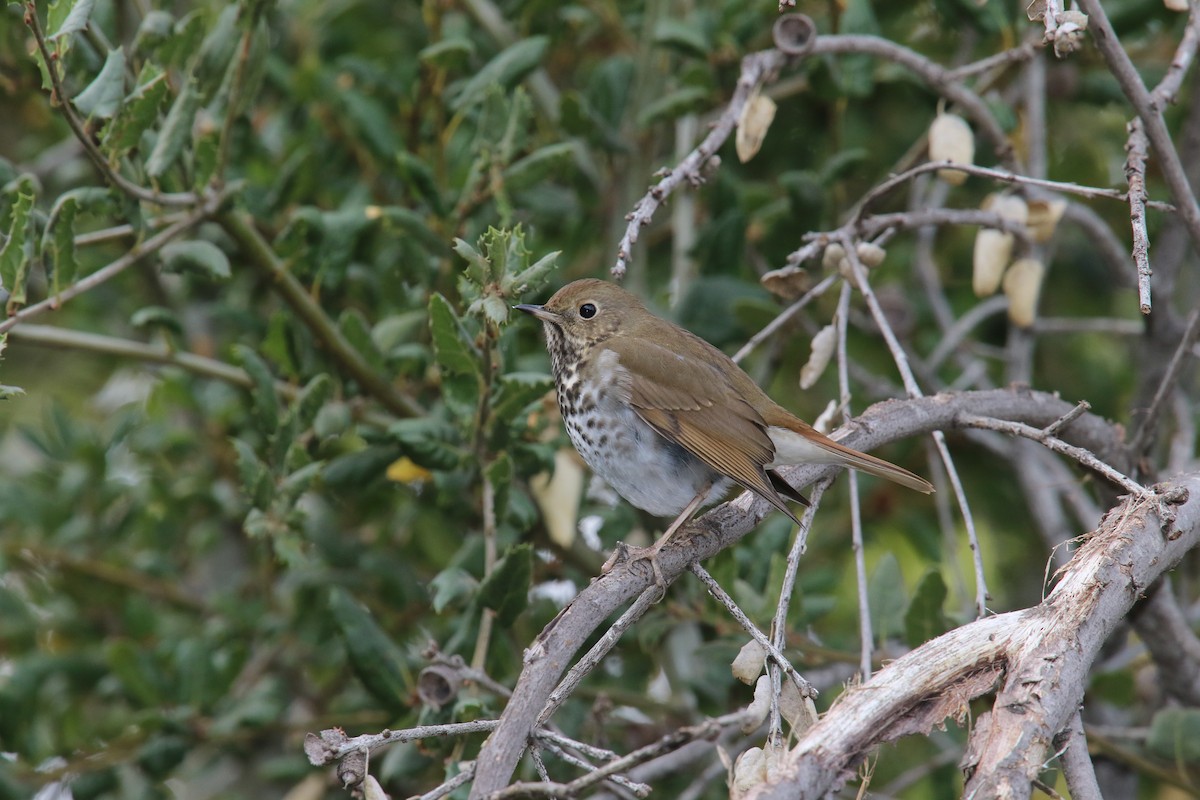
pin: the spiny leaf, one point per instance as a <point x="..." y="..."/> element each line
<point x="17" y="252"/>
<point x="454" y="350"/>
<point x="139" y="112"/>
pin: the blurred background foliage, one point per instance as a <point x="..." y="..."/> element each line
<point x="198" y="568"/>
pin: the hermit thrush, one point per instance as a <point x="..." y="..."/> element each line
<point x="668" y="420"/>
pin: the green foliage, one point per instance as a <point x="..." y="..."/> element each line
<point x="206" y="556"/>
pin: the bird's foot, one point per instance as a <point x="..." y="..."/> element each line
<point x="623" y="553"/>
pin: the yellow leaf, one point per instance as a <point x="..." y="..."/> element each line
<point x="405" y="470"/>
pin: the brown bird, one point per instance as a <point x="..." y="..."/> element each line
<point x="668" y="420"/>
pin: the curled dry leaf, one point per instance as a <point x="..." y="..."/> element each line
<point x="788" y="283"/>
<point x="822" y="350"/>
<point x="756" y="118"/>
<point x="951" y="139"/>
<point x="1043" y="218"/>
<point x="799" y="711"/>
<point x="748" y="663"/>
<point x="1022" y="285"/>
<point x="557" y="495"/>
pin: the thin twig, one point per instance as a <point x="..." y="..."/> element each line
<point x="1146" y="429"/>
<point x="110" y="271"/>
<point x="1066" y="419"/>
<point x="584" y="666"/>
<point x="775" y="654"/>
<point x="1081" y="455"/>
<point x="783" y="317"/>
<point x="900" y="357"/>
<point x="113" y="177"/>
<point x="665" y="744"/>
<point x="332" y="745"/>
<point x="1137" y="147"/>
<point x="1185" y="53"/>
<point x="866" y="635"/>
<point x="461" y="779"/>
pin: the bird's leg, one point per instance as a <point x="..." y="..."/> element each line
<point x="651" y="553"/>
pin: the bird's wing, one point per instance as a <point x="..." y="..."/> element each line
<point x="693" y="404"/>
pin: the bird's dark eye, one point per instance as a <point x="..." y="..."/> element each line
<point x="587" y="311"/>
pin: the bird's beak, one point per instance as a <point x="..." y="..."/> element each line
<point x="538" y="311"/>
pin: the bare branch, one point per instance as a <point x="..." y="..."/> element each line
<point x="1135" y="173"/>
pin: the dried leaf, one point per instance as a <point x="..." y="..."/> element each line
<point x="749" y="771"/>
<point x="1043" y="218"/>
<point x="557" y="495"/>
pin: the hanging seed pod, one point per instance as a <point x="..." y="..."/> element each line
<point x="993" y="248"/>
<point x="752" y="127"/>
<point x="1022" y="285"/>
<point x="951" y="139"/>
<point x="748" y="664"/>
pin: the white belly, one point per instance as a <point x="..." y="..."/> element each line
<point x="651" y="473"/>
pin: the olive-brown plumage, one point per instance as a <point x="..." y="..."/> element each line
<point x="668" y="419"/>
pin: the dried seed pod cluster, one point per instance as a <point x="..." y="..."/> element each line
<point x="871" y="255"/>
<point x="951" y="139"/>
<point x="1020" y="279"/>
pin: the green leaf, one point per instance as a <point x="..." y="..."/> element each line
<point x="356" y="470"/>
<point x="136" y="675"/>
<point x="176" y="131"/>
<point x="856" y="73"/>
<point x="428" y="442"/>
<point x="449" y="53"/>
<point x="506" y="69"/>
<point x="354" y="328"/>
<point x="17" y="252"/>
<point x="313" y="397"/>
<point x="415" y="225"/>
<point x="500" y="474"/>
<point x="534" y="276"/>
<point x="266" y="402"/>
<point x="198" y="257"/>
<point x="1175" y="736"/>
<point x="516" y="390"/>
<point x="552" y="161"/>
<point x="299" y="481"/>
<point x="925" y="619"/>
<point x="256" y="478"/>
<point x="419" y="179"/>
<point x="156" y="317"/>
<point x="506" y="590"/>
<point x="216" y="52"/>
<point x="449" y="585"/>
<point x="673" y="104"/>
<point x="888" y="599"/>
<point x="74" y="22"/>
<point x="453" y="348"/>
<point x="58" y="244"/>
<point x="376" y="659"/>
<point x="103" y="95"/>
<point x="685" y="37"/>
<point x="139" y="112"/>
